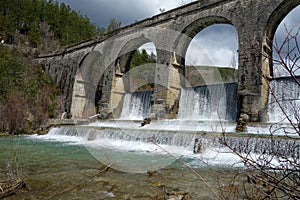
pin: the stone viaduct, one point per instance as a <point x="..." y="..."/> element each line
<point x="94" y="75"/>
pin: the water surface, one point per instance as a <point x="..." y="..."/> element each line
<point x="64" y="170"/>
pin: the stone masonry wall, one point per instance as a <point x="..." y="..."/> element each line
<point x="254" y="20"/>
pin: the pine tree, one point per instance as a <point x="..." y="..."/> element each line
<point x="113" y="25"/>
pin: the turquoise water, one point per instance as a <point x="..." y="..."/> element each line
<point x="62" y="170"/>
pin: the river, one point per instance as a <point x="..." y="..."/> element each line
<point x="65" y="169"/>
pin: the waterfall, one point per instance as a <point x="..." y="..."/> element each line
<point x="137" y="105"/>
<point x="209" y="102"/>
<point x="287" y="92"/>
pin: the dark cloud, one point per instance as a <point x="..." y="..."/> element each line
<point x="215" y="45"/>
<point x="126" y="11"/>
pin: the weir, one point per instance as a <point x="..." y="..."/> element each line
<point x="204" y="132"/>
<point x="186" y="143"/>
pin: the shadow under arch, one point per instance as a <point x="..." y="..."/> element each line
<point x="87" y="89"/>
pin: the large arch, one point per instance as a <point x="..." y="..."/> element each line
<point x="128" y="80"/>
<point x="282" y="54"/>
<point x="205" y="76"/>
<point x="191" y="30"/>
<point x="277" y="16"/>
<point x="126" y="53"/>
<point x="271" y="26"/>
<point x="133" y="79"/>
<point x="87" y="86"/>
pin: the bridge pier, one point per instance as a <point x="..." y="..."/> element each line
<point x="254" y="78"/>
<point x="168" y="82"/>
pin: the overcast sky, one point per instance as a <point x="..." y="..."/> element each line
<point x="126" y="11"/>
<point x="207" y="48"/>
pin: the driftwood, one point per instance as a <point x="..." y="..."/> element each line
<point x="8" y="188"/>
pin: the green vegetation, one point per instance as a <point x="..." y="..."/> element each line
<point x="201" y="75"/>
<point x="24" y="21"/>
<point x="143" y="77"/>
<point x="142" y="57"/>
<point x="28" y="97"/>
<point x="113" y="25"/>
<point x="228" y="74"/>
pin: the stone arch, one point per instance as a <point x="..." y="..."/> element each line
<point x="271" y="26"/>
<point x="201" y="78"/>
<point x="128" y="50"/>
<point x="126" y="80"/>
<point x="278" y="15"/>
<point x="87" y="85"/>
<point x="124" y="59"/>
<point x="275" y="80"/>
<point x="191" y="30"/>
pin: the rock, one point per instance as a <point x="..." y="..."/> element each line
<point x="103" y="115"/>
<point x="151" y="173"/>
<point x="146" y="121"/>
<point x="245" y="117"/>
<point x="242" y="123"/>
<point x="158" y="184"/>
<point x="178" y="196"/>
<point x="197" y="146"/>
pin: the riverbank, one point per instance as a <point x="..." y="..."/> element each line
<point x="3" y="134"/>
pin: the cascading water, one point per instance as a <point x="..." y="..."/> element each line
<point x="137" y="105"/>
<point x="287" y="92"/>
<point x="136" y="140"/>
<point x="209" y="102"/>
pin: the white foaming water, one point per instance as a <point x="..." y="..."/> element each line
<point x="145" y="143"/>
<point x="191" y="126"/>
<point x="209" y="102"/>
<point x="139" y="142"/>
<point x="62" y="137"/>
<point x="287" y="92"/>
<point x="170" y="125"/>
<point x="137" y="105"/>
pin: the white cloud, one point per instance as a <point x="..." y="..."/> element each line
<point x="290" y="23"/>
<point x="149" y="47"/>
<point x="197" y="55"/>
<point x="214" y="46"/>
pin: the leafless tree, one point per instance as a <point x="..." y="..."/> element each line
<point x="273" y="162"/>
